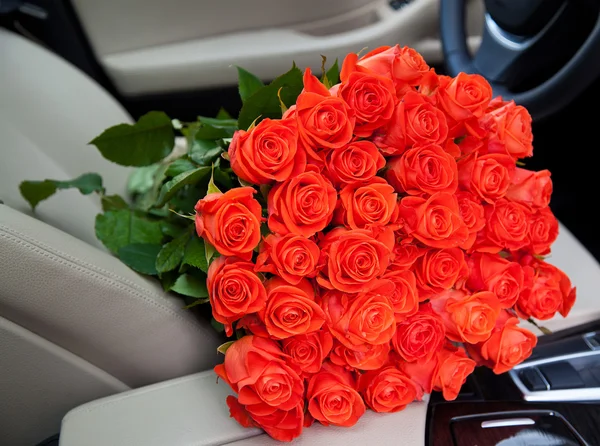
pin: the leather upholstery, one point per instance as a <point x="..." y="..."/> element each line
<point x="191" y="411"/>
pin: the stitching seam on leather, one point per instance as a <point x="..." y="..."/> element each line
<point x="66" y="256"/>
<point x="197" y="326"/>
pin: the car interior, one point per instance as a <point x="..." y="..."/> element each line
<point x="92" y="354"/>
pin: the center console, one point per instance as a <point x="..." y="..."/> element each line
<point x="553" y="398"/>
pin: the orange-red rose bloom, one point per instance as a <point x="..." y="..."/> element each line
<point x="405" y="255"/>
<point x="308" y="351"/>
<point x="332" y="397"/>
<point x="543" y="231"/>
<point x="488" y="176"/>
<point x="465" y="96"/>
<point x="425" y="169"/>
<point x="530" y="188"/>
<point x="387" y="390"/>
<point x="255" y="369"/>
<point x="372" y="97"/>
<point x="366" y="205"/>
<point x="439" y="270"/>
<point x="234" y="290"/>
<point x="508" y="346"/>
<point x="453" y="369"/>
<point x="472" y="214"/>
<point x="291" y="309"/>
<point x="405" y="298"/>
<point x="493" y="273"/>
<point x="352" y="259"/>
<point x="291" y="257"/>
<point x="372" y="357"/>
<point x="434" y="221"/>
<point x="510" y="127"/>
<point x="420" y="336"/>
<point x="282" y="425"/>
<point x="230" y="221"/>
<point x="416" y="121"/>
<point x="507" y="227"/>
<point x="302" y="205"/>
<point x="363" y="319"/>
<point x="358" y="161"/>
<point x="550" y="291"/>
<point x="468" y="318"/>
<point x="403" y="65"/>
<point x="269" y="152"/>
<point x="324" y="121"/>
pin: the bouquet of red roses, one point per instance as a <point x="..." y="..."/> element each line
<point x="381" y="244"/>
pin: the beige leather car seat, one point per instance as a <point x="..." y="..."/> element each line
<point x="75" y="323"/>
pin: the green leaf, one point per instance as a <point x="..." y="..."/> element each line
<point x="171" y="229"/>
<point x="265" y="101"/>
<point x="188" y="285"/>
<point x="196" y="303"/>
<point x="140" y="257"/>
<point x="178" y="166"/>
<point x="212" y="187"/>
<point x="209" y="251"/>
<point x="219" y="327"/>
<point x="205" y="156"/>
<point x="171" y="187"/>
<point x="146" y="142"/>
<point x="248" y="83"/>
<point x="228" y="124"/>
<point x="195" y="254"/>
<point x="333" y="74"/>
<point x="116" y="229"/>
<point x="36" y="191"/>
<point x="222" y="179"/>
<point x="223" y="114"/>
<point x="113" y="203"/>
<point x="168" y="279"/>
<point x="224" y="347"/>
<point x="148" y="199"/>
<point x="171" y="254"/>
<point x="141" y="179"/>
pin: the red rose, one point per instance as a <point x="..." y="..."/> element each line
<point x="372" y="97"/>
<point x="405" y="298"/>
<point x="302" y="205"/>
<point x="366" y="318"/>
<point x="324" y="121"/>
<point x="291" y="309"/>
<point x="425" y="169"/>
<point x="372" y="357"/>
<point x="493" y="273"/>
<point x="230" y="221"/>
<point x="269" y="391"/>
<point x="405" y="255"/>
<point x="420" y="336"/>
<point x="282" y="425"/>
<point x="416" y="121"/>
<point x="269" y="152"/>
<point x="465" y="96"/>
<point x="473" y="215"/>
<point x="550" y="291"/>
<point x="439" y="270"/>
<point x="434" y="221"/>
<point x="507" y="227"/>
<point x="366" y="205"/>
<point x="332" y="397"/>
<point x="453" y="369"/>
<point x="423" y="373"/>
<point x="543" y="231"/>
<point x="352" y="259"/>
<point x="290" y="256"/>
<point x="387" y="390"/>
<point x="308" y="351"/>
<point x="488" y="176"/>
<point x="468" y="318"/>
<point x="510" y="128"/>
<point x="358" y="161"/>
<point x="234" y="290"/>
<point x="508" y="346"/>
<point x="530" y="188"/>
<point x="403" y="65"/>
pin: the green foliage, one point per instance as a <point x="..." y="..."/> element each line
<point x="265" y="101"/>
<point x="119" y="228"/>
<point x="331" y="77"/>
<point x="248" y="84"/>
<point x="195" y="254"/>
<point x="171" y="254"/>
<point x="140" y="257"/>
<point x="170" y="188"/>
<point x="113" y="203"/>
<point x="188" y="285"/>
<point x="36" y="191"/>
<point x="144" y="143"/>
